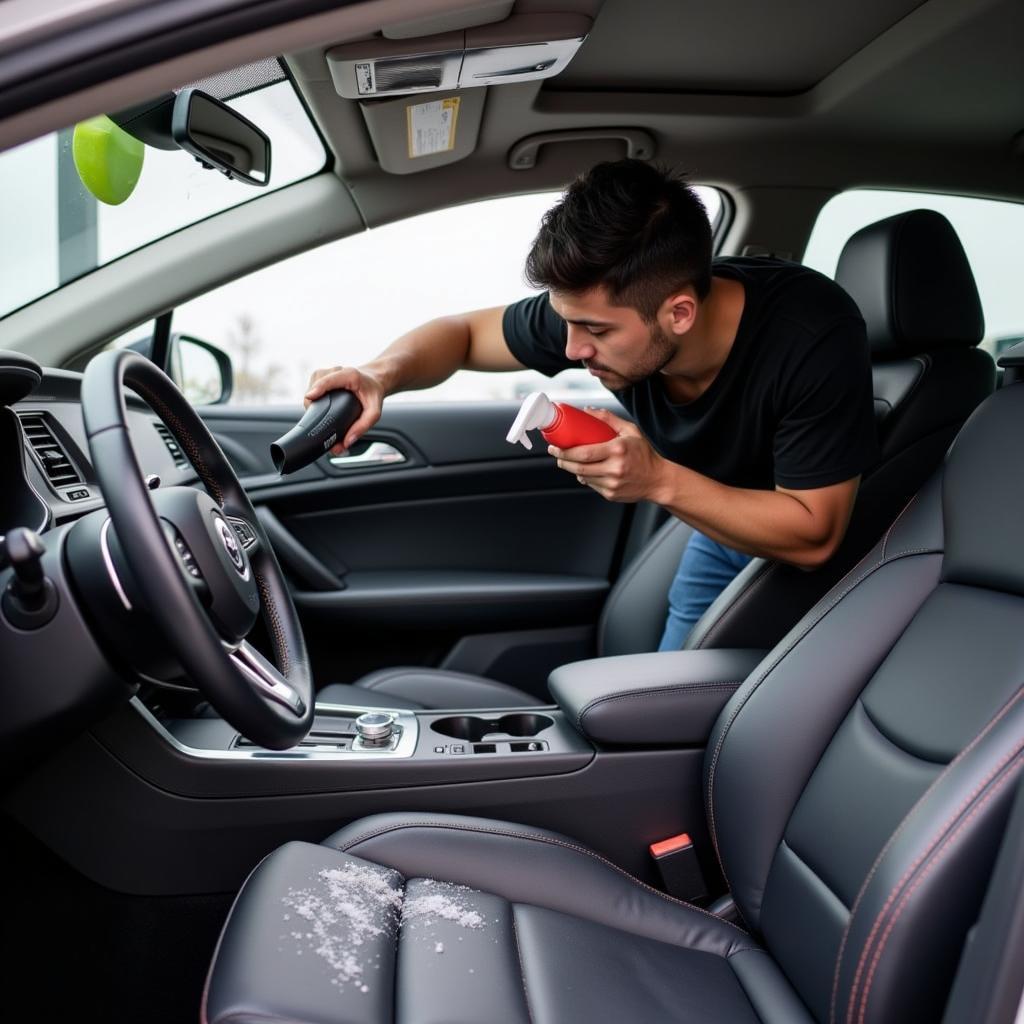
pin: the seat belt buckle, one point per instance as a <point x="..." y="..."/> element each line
<point x="679" y="868"/>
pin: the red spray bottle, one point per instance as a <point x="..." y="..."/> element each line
<point x="561" y="425"/>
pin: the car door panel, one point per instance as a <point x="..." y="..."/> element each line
<point x="470" y="553"/>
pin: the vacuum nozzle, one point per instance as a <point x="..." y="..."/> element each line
<point x="325" y="424"/>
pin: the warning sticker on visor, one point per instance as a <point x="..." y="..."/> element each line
<point x="432" y="126"/>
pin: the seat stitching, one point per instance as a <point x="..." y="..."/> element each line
<point x="878" y="860"/>
<point x="742" y="596"/>
<point x="892" y="525"/>
<point x="895" y="835"/>
<point x="935" y="855"/>
<point x="540" y="839"/>
<point x="649" y="690"/>
<point x="929" y="849"/>
<point x="771" y="668"/>
<point x="519" y="957"/>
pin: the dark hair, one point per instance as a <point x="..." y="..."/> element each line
<point x="639" y="230"/>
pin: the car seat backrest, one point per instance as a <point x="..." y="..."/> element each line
<point x="858" y="782"/>
<point x="634" y="613"/>
<point x="905" y="273"/>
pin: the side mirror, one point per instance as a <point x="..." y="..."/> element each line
<point x="220" y="137"/>
<point x="202" y="371"/>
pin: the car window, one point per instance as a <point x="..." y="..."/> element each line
<point x="990" y="231"/>
<point x="65" y="232"/>
<point x="344" y="302"/>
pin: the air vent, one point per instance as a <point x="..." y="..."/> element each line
<point x="172" y="445"/>
<point x="52" y="456"/>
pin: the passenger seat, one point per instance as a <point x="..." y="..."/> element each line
<point x="910" y="277"/>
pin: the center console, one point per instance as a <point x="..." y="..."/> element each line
<point x="185" y="805"/>
<point x="403" y="747"/>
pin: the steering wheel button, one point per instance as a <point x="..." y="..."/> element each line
<point x="244" y="532"/>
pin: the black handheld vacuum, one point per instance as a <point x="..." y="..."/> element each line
<point x="325" y="424"/>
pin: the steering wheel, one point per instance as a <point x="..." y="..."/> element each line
<point x="200" y="558"/>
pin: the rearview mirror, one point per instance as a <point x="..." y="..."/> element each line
<point x="220" y="137"/>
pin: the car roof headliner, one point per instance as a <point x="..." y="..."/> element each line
<point x="924" y="97"/>
<point x="894" y="93"/>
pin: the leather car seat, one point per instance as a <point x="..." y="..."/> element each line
<point x="856" y="789"/>
<point x="912" y="281"/>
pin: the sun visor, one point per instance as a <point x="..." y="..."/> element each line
<point x="417" y="133"/>
<point x="521" y="48"/>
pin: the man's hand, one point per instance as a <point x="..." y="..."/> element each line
<point x="624" y="469"/>
<point x="364" y="385"/>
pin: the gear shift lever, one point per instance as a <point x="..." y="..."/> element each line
<point x="30" y="599"/>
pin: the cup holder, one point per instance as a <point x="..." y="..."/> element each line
<point x="473" y="729"/>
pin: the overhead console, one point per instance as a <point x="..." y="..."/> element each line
<point x="522" y="48"/>
<point x="417" y="84"/>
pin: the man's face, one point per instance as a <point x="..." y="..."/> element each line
<point x="613" y="342"/>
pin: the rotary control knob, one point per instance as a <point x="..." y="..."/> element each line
<point x="375" y="728"/>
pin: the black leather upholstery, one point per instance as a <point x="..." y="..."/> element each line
<point x="411" y="687"/>
<point x="857" y="786"/>
<point x="541" y="950"/>
<point x="910" y="278"/>
<point x="912" y="282"/>
<point x="644" y="699"/>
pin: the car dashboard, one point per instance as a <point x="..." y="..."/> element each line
<point x="47" y="476"/>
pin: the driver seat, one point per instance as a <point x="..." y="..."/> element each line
<point x="857" y="786"/>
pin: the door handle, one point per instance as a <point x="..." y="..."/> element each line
<point x="379" y="453"/>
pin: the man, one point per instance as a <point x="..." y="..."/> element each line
<point x="748" y="380"/>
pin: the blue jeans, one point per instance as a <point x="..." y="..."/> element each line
<point x="705" y="570"/>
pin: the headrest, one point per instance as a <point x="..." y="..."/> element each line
<point x="983" y="496"/>
<point x="910" y="277"/>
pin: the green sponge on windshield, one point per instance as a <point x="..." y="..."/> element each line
<point x="107" y="158"/>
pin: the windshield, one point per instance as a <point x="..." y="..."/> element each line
<point x="55" y="230"/>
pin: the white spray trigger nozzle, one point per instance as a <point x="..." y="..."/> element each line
<point x="535" y="413"/>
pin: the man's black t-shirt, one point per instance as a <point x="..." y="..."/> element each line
<point x="792" y="405"/>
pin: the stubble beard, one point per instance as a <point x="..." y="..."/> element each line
<point x="660" y="351"/>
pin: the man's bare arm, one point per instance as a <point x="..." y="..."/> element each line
<point x="422" y="358"/>
<point x="801" y="527"/>
<point x="431" y="353"/>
